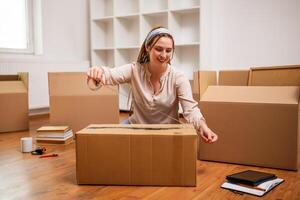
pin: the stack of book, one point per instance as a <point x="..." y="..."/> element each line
<point x="54" y="135"/>
<point x="251" y="182"/>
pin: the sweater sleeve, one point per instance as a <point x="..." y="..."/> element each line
<point x="117" y="75"/>
<point x="191" y="112"/>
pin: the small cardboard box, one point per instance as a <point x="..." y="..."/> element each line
<point x="234" y="77"/>
<point x="201" y="80"/>
<point x="162" y="155"/>
<point x="73" y="104"/>
<point x="256" y="125"/>
<point x="275" y="76"/>
<point x="14" y="102"/>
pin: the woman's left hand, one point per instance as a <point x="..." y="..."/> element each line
<point x="206" y="133"/>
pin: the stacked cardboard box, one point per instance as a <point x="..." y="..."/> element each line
<point x="14" y="102"/>
<point x="162" y="155"/>
<point x="257" y="125"/>
<point x="201" y="80"/>
<point x="73" y="104"/>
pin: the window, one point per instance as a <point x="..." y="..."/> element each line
<point x="20" y="26"/>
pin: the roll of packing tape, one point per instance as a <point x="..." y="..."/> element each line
<point x="26" y="144"/>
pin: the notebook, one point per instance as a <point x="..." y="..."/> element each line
<point x="258" y="190"/>
<point x="250" y="177"/>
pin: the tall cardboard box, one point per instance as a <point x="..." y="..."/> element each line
<point x="201" y="80"/>
<point x="162" y="155"/>
<point x="73" y="104"/>
<point x="288" y="75"/>
<point x="14" y="102"/>
<point x="233" y="77"/>
<point x="256" y="125"/>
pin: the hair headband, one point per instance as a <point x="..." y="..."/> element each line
<point x="156" y="32"/>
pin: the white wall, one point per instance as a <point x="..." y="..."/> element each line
<point x="237" y="34"/>
<point x="65" y="47"/>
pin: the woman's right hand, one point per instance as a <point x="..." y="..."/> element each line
<point x="96" y="74"/>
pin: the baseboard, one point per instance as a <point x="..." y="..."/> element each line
<point x="38" y="111"/>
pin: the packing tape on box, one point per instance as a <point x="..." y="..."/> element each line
<point x="26" y="144"/>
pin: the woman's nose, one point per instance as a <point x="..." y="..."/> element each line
<point x="163" y="54"/>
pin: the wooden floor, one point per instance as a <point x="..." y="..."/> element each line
<point x="24" y="176"/>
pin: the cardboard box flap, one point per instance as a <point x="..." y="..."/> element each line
<point x="9" y="77"/>
<point x="234" y="77"/>
<point x="7" y="87"/>
<point x="23" y="76"/>
<point x="275" y="76"/>
<point x="125" y="129"/>
<point x="74" y="83"/>
<point x="252" y="94"/>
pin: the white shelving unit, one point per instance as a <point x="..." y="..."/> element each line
<point x="119" y="27"/>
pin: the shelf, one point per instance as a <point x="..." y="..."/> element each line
<point x="106" y="18"/>
<point x="119" y="27"/>
<point x="101" y="8"/>
<point x="127" y="31"/>
<point x="128" y="15"/>
<point x="185" y="26"/>
<point x="175" y="4"/>
<point x="186" y="10"/>
<point x="153" y="5"/>
<point x="128" y="47"/>
<point x="102" y="33"/>
<point x="122" y="7"/>
<point x="150" y="21"/>
<point x="103" y="57"/>
<point x="124" y="91"/>
<point x="186" y="60"/>
<point x="125" y="56"/>
<point x="187" y="44"/>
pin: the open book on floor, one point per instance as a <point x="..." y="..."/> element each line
<point x="258" y="190"/>
<point x="252" y="182"/>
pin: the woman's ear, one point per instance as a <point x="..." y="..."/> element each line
<point x="147" y="49"/>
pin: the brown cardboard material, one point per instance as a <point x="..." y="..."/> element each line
<point x="234" y="77"/>
<point x="201" y="80"/>
<point x="162" y="155"/>
<point x="73" y="104"/>
<point x="256" y="125"/>
<point x="275" y="76"/>
<point x="14" y="103"/>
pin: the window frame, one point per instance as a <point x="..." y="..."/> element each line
<point x="33" y="30"/>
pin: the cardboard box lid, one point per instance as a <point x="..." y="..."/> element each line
<point x="10" y="87"/>
<point x="151" y="129"/>
<point x="252" y="94"/>
<point x="74" y="83"/>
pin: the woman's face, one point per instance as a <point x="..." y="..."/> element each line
<point x="161" y="52"/>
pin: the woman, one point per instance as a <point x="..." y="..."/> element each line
<point x="156" y="87"/>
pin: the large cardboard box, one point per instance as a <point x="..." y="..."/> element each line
<point x="256" y="125"/>
<point x="73" y="104"/>
<point x="275" y="76"/>
<point x="14" y="102"/>
<point x="234" y="77"/>
<point x="201" y="80"/>
<point x="163" y="155"/>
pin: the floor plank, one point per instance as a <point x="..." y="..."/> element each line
<point x="23" y="176"/>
